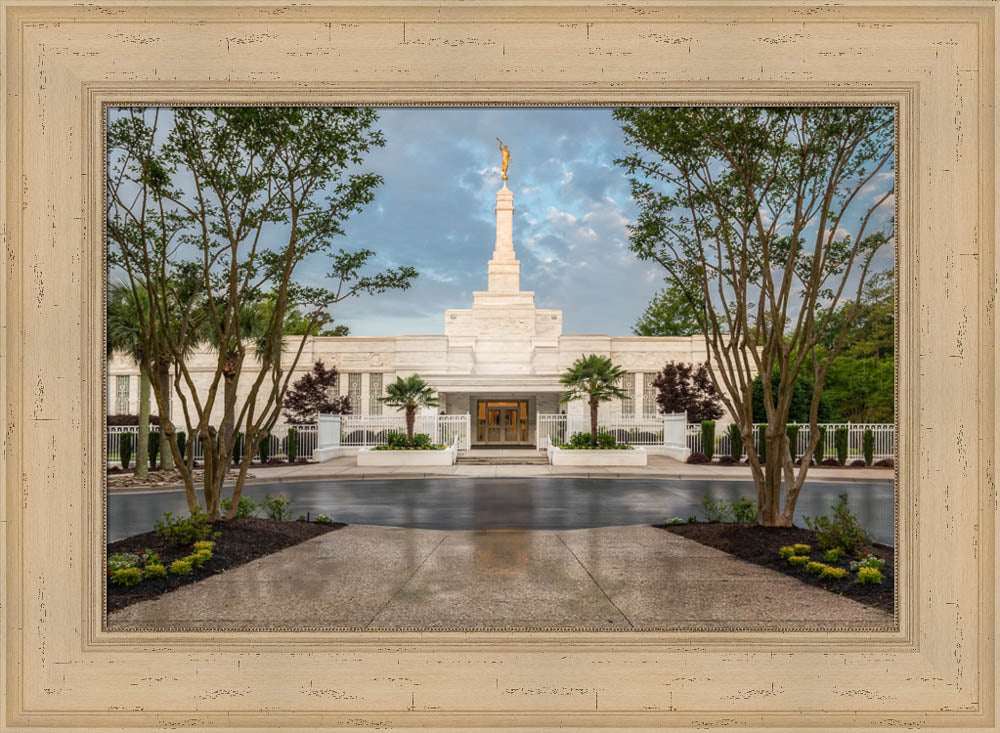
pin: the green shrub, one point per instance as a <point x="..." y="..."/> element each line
<point x="814" y="568"/>
<point x="278" y="507"/>
<point x="833" y="573"/>
<point x="715" y="510"/>
<point x="128" y="576"/>
<point x="869" y="576"/>
<point x="292" y="450"/>
<point x="323" y="519"/>
<point x="798" y="560"/>
<point x="819" y="453"/>
<point x="181" y="443"/>
<point x="840" y="442"/>
<point x="264" y="448"/>
<point x="246" y="508"/>
<point x="692" y="520"/>
<point x="786" y="552"/>
<point x="580" y="440"/>
<point x="154" y="570"/>
<point x="122" y="560"/>
<point x="605" y="440"/>
<point x="203" y="545"/>
<point x="762" y="443"/>
<point x="396" y="440"/>
<point x="868" y="446"/>
<point x="422" y="441"/>
<point x="708" y="438"/>
<point x="238" y="448"/>
<point x="842" y="531"/>
<point x="735" y="442"/>
<point x="743" y="510"/>
<point x="183" y="531"/>
<point x="153" y="445"/>
<point x="801" y="549"/>
<point x="197" y="559"/>
<point x="675" y="520"/>
<point x="792" y="431"/>
<point x="180" y="567"/>
<point x="833" y="555"/>
<point x="125" y="448"/>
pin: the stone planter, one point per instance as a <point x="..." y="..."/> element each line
<point x="596" y="457"/>
<point x="396" y="458"/>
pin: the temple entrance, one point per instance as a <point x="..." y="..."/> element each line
<point x="502" y="422"/>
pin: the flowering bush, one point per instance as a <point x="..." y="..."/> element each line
<point x="867" y="561"/>
<point x="323" y="519"/>
<point x="123" y="560"/>
<point x="869" y="576"/>
<point x="833" y="555"/>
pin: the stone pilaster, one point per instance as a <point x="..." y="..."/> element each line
<point x="504" y="269"/>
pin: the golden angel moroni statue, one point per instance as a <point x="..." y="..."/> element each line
<point x="505" y="151"/>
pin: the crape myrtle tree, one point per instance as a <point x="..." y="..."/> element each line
<point x="687" y="388"/>
<point x="211" y="210"/>
<point x="771" y="217"/>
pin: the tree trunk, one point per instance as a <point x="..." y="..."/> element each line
<point x="776" y="442"/>
<point x="411" y="415"/>
<point x="163" y="374"/>
<point x="214" y="473"/>
<point x="142" y="449"/>
<point x="229" y="414"/>
<point x="593" y="420"/>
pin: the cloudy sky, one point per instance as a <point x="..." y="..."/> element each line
<point x="435" y="212"/>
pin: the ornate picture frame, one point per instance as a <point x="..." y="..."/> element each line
<point x="63" y="63"/>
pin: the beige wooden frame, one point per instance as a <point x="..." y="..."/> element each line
<point x="62" y="62"/>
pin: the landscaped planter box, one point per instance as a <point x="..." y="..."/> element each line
<point x="372" y="457"/>
<point x="597" y="457"/>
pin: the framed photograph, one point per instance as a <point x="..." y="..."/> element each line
<point x="404" y="366"/>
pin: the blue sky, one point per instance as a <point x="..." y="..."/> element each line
<point x="435" y="212"/>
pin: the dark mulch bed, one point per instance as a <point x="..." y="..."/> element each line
<point x="759" y="545"/>
<point x="240" y="541"/>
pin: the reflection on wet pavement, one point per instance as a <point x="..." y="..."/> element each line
<point x="561" y="503"/>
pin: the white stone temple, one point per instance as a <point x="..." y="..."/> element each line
<point x="499" y="361"/>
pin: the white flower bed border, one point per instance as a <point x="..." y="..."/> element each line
<point x="372" y="457"/>
<point x="596" y="457"/>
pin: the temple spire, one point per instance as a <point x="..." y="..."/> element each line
<point x="504" y="269"/>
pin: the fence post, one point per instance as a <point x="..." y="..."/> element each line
<point x="327" y="437"/>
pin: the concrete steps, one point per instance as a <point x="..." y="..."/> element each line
<point x="501" y="460"/>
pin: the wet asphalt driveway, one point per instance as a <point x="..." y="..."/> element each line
<point x="537" y="503"/>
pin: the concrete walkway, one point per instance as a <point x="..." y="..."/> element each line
<point x="659" y="467"/>
<point x="366" y="577"/>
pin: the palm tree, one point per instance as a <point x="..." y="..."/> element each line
<point x="124" y="336"/>
<point x="595" y="379"/>
<point x="409" y="393"/>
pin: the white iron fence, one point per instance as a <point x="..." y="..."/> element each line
<point x="630" y="430"/>
<point x="277" y="444"/>
<point x="363" y="431"/>
<point x="884" y="435"/>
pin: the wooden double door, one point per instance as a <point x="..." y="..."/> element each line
<point x="502" y="422"/>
